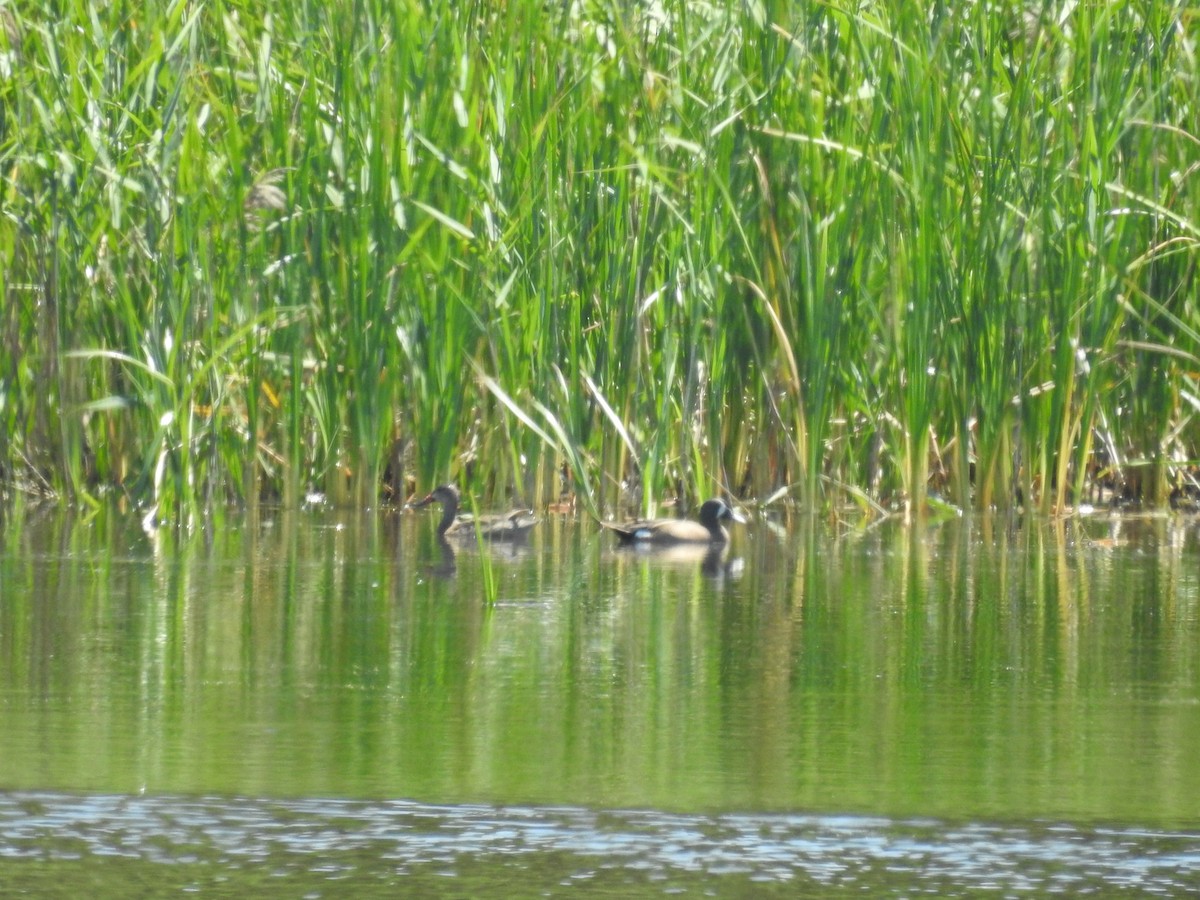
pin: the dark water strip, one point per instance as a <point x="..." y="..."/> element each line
<point x="221" y="846"/>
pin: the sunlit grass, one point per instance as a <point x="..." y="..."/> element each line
<point x="841" y="254"/>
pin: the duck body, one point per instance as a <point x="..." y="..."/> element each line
<point x="508" y="526"/>
<point x="674" y="532"/>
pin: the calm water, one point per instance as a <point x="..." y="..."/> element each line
<point x="313" y="703"/>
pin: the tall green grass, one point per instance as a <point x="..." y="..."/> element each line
<point x="830" y="251"/>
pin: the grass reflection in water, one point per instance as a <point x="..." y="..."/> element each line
<point x="983" y="671"/>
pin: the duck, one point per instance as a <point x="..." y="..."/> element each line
<point x="672" y="532"/>
<point x="508" y="526"/>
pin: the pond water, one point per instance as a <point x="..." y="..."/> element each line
<point x="321" y="703"/>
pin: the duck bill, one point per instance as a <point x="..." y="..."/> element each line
<point x="737" y="516"/>
<point x="428" y="499"/>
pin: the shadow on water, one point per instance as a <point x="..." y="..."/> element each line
<point x="973" y="706"/>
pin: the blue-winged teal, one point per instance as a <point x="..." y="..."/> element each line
<point x="497" y="527"/>
<point x="666" y="532"/>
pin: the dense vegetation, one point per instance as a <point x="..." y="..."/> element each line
<point x="860" y="251"/>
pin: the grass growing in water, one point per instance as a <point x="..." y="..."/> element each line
<point x="847" y="251"/>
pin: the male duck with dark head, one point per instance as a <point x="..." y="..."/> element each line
<point x="496" y="527"/>
<point x="673" y="532"/>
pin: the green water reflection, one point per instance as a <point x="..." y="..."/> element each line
<point x="997" y="669"/>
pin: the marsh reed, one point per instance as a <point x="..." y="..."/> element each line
<point x="828" y="252"/>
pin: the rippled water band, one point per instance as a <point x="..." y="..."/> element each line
<point x="327" y="845"/>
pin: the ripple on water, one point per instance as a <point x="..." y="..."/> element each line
<point x="326" y="842"/>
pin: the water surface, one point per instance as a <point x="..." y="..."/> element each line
<point x="953" y="708"/>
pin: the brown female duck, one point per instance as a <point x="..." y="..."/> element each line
<point x="670" y="532"/>
<point x="497" y="527"/>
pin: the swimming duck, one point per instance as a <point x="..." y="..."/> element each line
<point x="667" y="532"/>
<point x="497" y="527"/>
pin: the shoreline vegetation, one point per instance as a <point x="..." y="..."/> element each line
<point x="824" y="252"/>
